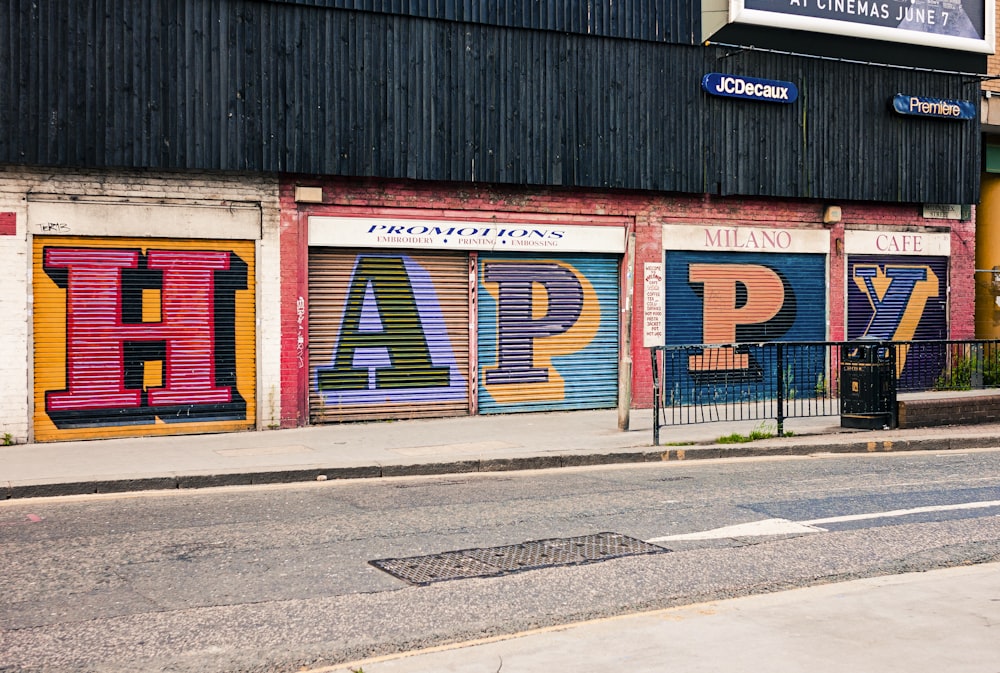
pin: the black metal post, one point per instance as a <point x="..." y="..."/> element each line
<point x="894" y="394"/>
<point x="656" y="398"/>
<point x="781" y="388"/>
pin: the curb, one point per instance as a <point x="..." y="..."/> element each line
<point x="11" y="491"/>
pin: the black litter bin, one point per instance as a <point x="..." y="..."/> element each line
<point x="868" y="385"/>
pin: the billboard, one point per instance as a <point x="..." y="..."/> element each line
<point x="965" y="25"/>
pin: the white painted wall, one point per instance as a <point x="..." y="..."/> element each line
<point x="15" y="318"/>
<point x="161" y="205"/>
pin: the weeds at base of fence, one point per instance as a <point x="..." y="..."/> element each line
<point x="960" y="375"/>
<point x="762" y="431"/>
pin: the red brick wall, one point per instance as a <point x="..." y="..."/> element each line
<point x="959" y="410"/>
<point x="962" y="299"/>
<point x="648" y="211"/>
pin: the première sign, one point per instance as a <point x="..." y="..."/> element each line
<point x="920" y="106"/>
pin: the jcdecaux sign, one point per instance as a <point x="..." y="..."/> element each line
<point x="751" y="88"/>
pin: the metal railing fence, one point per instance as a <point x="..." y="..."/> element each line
<point x="780" y="380"/>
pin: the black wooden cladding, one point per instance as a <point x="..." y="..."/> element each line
<point x="279" y="87"/>
<point x="658" y="20"/>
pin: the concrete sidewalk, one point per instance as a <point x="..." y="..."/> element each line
<point x="941" y="620"/>
<point x="430" y="446"/>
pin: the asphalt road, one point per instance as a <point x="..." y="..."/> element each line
<point x="280" y="579"/>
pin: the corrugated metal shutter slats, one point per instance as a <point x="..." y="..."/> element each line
<point x="932" y="323"/>
<point x="744" y="297"/>
<point x="142" y="337"/>
<point x="388" y="335"/>
<point x="548" y="332"/>
<point x="747" y="298"/>
<point x="902" y="298"/>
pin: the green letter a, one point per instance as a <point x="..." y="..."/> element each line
<point x="401" y="336"/>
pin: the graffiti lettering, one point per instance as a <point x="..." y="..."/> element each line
<point x="897" y="295"/>
<point x="733" y="295"/>
<point x="300" y="342"/>
<point x="547" y="319"/>
<point x="517" y="326"/>
<point x="399" y="334"/>
<point x="110" y="336"/>
<point x="393" y="343"/>
<point x="735" y="302"/>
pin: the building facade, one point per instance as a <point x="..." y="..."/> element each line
<point x="542" y="319"/>
<point x="228" y="214"/>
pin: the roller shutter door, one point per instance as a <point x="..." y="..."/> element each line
<point x="901" y="298"/>
<point x="547" y="332"/>
<point x="909" y="291"/>
<point x="142" y="337"/>
<point x="727" y="297"/>
<point x="733" y="297"/>
<point x="388" y="335"/>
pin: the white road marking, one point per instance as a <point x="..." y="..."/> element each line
<point x="904" y="512"/>
<point x="767" y="527"/>
<point x="751" y="529"/>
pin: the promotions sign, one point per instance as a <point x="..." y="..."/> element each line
<point x="966" y="25"/>
<point x="365" y="232"/>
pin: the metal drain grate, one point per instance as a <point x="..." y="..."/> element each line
<point x="434" y="568"/>
<point x="526" y="555"/>
<point x="492" y="561"/>
<point x="610" y="545"/>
